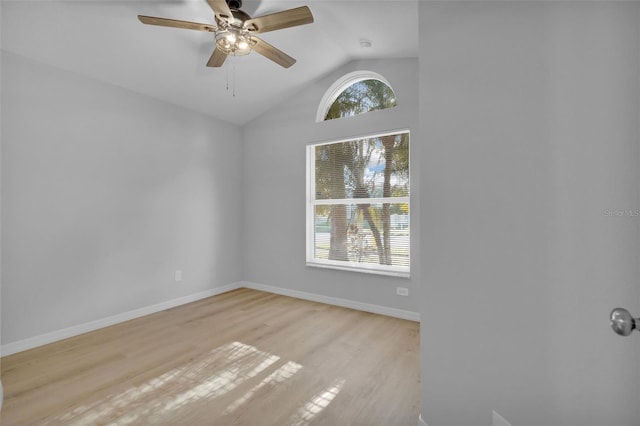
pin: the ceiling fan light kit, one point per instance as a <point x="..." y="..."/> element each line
<point x="234" y="42"/>
<point x="235" y="30"/>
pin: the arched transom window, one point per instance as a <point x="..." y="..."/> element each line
<point x="356" y="93"/>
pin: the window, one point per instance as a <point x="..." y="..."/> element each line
<point x="358" y="204"/>
<point x="360" y="97"/>
<point x="356" y="93"/>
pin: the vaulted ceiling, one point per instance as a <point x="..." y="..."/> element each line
<point x="104" y="40"/>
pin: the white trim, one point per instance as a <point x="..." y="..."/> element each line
<point x="364" y="136"/>
<point x="345" y="303"/>
<point x="377" y="200"/>
<point x="309" y="210"/>
<point x="421" y="421"/>
<point x="340" y="85"/>
<point x="368" y="268"/>
<point x="65" y="333"/>
<point x="43" y="339"/>
<point x="312" y="202"/>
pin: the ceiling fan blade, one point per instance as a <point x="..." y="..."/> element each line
<point x="220" y="8"/>
<point x="273" y="53"/>
<point x="217" y="58"/>
<point x="174" y="23"/>
<point x="276" y="21"/>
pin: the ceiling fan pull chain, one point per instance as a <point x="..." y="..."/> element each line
<point x="227" y="71"/>
<point x="233" y="84"/>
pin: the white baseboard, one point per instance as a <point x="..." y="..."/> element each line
<point x="345" y="303"/>
<point x="421" y="421"/>
<point x="54" y="336"/>
<point x="43" y="339"/>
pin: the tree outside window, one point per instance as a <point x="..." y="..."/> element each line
<point x="346" y="230"/>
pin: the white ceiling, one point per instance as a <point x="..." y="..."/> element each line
<point x="104" y="40"/>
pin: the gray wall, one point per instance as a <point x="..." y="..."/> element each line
<point x="104" y="194"/>
<point x="530" y="116"/>
<point x="274" y="194"/>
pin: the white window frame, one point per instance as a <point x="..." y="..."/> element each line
<point x="311" y="260"/>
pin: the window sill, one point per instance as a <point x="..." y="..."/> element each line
<point x="353" y="267"/>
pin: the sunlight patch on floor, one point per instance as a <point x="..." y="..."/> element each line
<point x="316" y="404"/>
<point x="222" y="382"/>
<point x="281" y="375"/>
<point x="212" y="375"/>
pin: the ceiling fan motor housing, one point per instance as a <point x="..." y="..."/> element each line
<point x="239" y="17"/>
<point x="234" y="4"/>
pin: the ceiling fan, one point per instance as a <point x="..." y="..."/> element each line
<point x="235" y="30"/>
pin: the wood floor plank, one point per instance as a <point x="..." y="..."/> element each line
<point x="241" y="358"/>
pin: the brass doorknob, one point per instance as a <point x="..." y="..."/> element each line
<point x="622" y="322"/>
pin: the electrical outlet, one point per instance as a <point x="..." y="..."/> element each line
<point x="178" y="275"/>
<point x="402" y="291"/>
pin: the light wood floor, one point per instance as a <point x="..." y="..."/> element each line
<point x="241" y="358"/>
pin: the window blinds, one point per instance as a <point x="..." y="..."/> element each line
<point x="359" y="203"/>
